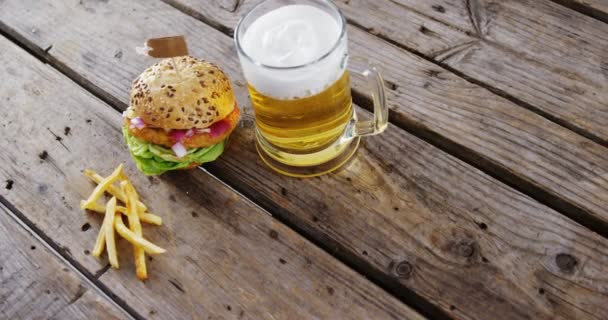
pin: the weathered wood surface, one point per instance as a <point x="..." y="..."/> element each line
<point x="403" y="211"/>
<point x="546" y="55"/>
<point x="34" y="284"/>
<point x="595" y="8"/>
<point x="226" y="257"/>
<point x="518" y="146"/>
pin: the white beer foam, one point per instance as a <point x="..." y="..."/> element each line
<point x="289" y="36"/>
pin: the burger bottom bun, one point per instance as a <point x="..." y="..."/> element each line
<point x="161" y="137"/>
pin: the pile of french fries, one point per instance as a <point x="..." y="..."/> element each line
<point x="135" y="211"/>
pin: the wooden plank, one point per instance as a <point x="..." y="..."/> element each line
<point x="419" y="221"/>
<point x="518" y="146"/>
<point x="224" y="15"/>
<point x="543" y="54"/>
<point x="522" y="49"/>
<point x="35" y="284"/>
<point x="226" y="257"/>
<point x="595" y="8"/>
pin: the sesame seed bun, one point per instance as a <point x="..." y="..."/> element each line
<point x="197" y="96"/>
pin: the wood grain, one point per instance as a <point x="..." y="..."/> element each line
<point x="595" y="8"/>
<point x="549" y="57"/>
<point x="419" y="221"/>
<point x="538" y="53"/>
<point x="226" y="257"/>
<point x="519" y="147"/>
<point x="35" y="284"/>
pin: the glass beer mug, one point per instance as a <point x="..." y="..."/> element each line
<point x="295" y="59"/>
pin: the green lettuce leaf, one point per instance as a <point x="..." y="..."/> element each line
<point x="153" y="159"/>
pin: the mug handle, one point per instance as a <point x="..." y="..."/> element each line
<point x="376" y="86"/>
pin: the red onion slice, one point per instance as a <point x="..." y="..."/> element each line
<point x="219" y="128"/>
<point x="177" y="135"/>
<point x="189" y="133"/>
<point x="138" y="123"/>
<point x="179" y="150"/>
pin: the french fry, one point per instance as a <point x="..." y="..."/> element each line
<point x="135" y="239"/>
<point x="135" y="211"/>
<point x="135" y="226"/>
<point x="113" y="190"/>
<point x="101" y="241"/>
<point x="151" y="218"/>
<point x="108" y="221"/>
<point x="101" y="187"/>
<point x="143" y="216"/>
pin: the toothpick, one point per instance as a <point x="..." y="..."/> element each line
<point x="175" y="66"/>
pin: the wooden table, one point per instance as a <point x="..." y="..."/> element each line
<point x="486" y="198"/>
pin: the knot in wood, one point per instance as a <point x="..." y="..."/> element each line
<point x="565" y="262"/>
<point x="404" y="269"/>
<point x="273" y="234"/>
<point x="464" y="248"/>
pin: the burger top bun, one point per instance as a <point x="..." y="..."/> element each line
<point x="196" y="97"/>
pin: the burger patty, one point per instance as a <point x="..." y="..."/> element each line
<point x="200" y="140"/>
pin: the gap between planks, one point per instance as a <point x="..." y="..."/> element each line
<point x="64" y="257"/>
<point x="231" y="169"/>
<point x="501" y="93"/>
<point x="355" y="263"/>
<point x="496" y="91"/>
<point x="341" y="253"/>
<point x="586" y="8"/>
<point x="567" y="208"/>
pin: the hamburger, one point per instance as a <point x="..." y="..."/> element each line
<point x="179" y="119"/>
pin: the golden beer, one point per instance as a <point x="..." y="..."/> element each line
<point x="304" y="124"/>
<point x="294" y="56"/>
